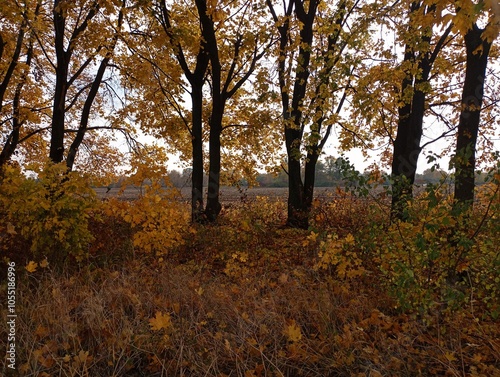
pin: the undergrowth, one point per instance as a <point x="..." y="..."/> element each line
<point x="352" y="296"/>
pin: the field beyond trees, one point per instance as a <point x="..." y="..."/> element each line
<point x="150" y="294"/>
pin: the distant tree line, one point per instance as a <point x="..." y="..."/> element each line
<point x="329" y="173"/>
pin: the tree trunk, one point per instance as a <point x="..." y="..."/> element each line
<point x="196" y="79"/>
<point x="310" y="178"/>
<point x="472" y="98"/>
<point x="197" y="155"/>
<point x="57" y="126"/>
<point x="406" y="152"/>
<point x="411" y="117"/>
<point x="213" y="207"/>
<point x="13" y="139"/>
<point x="297" y="210"/>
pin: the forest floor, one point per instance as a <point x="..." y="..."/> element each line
<point x="250" y="297"/>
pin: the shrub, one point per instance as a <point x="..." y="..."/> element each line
<point x="49" y="213"/>
<point x="159" y="220"/>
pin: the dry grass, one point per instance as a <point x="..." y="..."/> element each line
<point x="239" y="299"/>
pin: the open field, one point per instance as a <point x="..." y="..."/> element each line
<point x="227" y="194"/>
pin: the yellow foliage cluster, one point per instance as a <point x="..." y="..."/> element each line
<point x="342" y="255"/>
<point x="51" y="212"/>
<point x="158" y="219"/>
<point x="57" y="215"/>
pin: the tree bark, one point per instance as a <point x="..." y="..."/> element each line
<point x="406" y="152"/>
<point x="57" y="126"/>
<point x="63" y="57"/>
<point x="298" y="212"/>
<point x="411" y="118"/>
<point x="197" y="154"/>
<point x="472" y="98"/>
<point x="213" y="206"/>
<point x="13" y="139"/>
<point x="197" y="80"/>
<point x="310" y="178"/>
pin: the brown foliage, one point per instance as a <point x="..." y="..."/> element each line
<point x="240" y="298"/>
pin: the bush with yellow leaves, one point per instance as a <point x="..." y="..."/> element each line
<point x="49" y="213"/>
<point x="158" y="218"/>
<point x="341" y="255"/>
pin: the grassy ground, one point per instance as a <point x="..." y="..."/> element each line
<point x="246" y="297"/>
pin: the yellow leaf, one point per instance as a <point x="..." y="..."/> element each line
<point x="283" y="278"/>
<point x="41" y="331"/>
<point x="44" y="263"/>
<point x="450" y="356"/>
<point x="292" y="332"/>
<point x="31" y="267"/>
<point x="82" y="357"/>
<point x="477" y="358"/>
<point x="312" y="237"/>
<point x="245" y="226"/>
<point x="349" y="239"/>
<point x="11" y="229"/>
<point x="160" y="321"/>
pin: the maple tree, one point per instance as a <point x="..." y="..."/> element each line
<point x="60" y="55"/>
<point x="165" y="62"/>
<point x="416" y="101"/>
<point x="78" y="36"/>
<point x="223" y="51"/>
<point x="197" y="79"/>
<point x="316" y="58"/>
<point x="213" y="56"/>
<point x="478" y="42"/>
<point x="421" y="51"/>
<point x="246" y="47"/>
